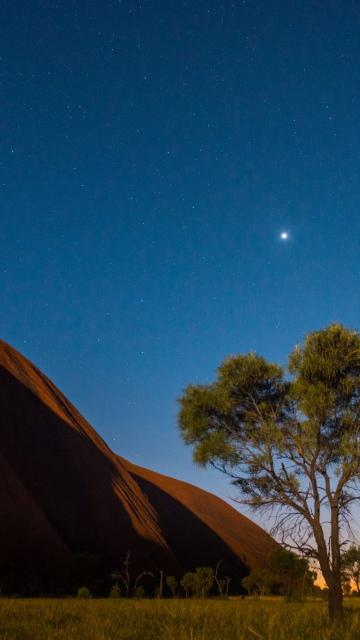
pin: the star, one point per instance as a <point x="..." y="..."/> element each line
<point x="284" y="235"/>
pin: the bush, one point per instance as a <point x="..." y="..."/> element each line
<point x="172" y="585"/>
<point x="115" y="591"/>
<point x="260" y="581"/>
<point x="83" y="592"/>
<point x="139" y="592"/>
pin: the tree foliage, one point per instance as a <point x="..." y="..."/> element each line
<point x="260" y="580"/>
<point x="286" y="573"/>
<point x="198" y="583"/>
<point x="351" y="565"/>
<point x="292" y="573"/>
<point x="290" y="440"/>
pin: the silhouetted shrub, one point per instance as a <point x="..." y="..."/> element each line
<point x="115" y="591"/>
<point x="172" y="585"/>
<point x="83" y="592"/>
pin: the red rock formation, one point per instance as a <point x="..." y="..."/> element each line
<point x="199" y="527"/>
<point x="63" y="491"/>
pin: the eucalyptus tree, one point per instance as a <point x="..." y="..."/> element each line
<point x="290" y="441"/>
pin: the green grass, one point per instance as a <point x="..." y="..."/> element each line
<point x="234" y="619"/>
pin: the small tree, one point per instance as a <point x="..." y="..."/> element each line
<point x="291" y="572"/>
<point x="124" y="574"/>
<point x="221" y="583"/>
<point x="351" y="566"/>
<point x="198" y="583"/>
<point x="172" y="585"/>
<point x="289" y="440"/>
<point x="249" y="584"/>
<point x="226" y="583"/>
<point x="139" y="577"/>
<point x="204" y="580"/>
<point x="188" y="583"/>
<point x="261" y="580"/>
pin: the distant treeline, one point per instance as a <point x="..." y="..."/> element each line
<point x="86" y="575"/>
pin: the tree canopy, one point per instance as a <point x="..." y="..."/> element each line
<point x="286" y="573"/>
<point x="198" y="583"/>
<point x="289" y="439"/>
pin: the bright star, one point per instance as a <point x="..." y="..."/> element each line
<point x="284" y="235"/>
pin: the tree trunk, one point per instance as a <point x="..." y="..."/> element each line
<point x="335" y="590"/>
<point x="333" y="582"/>
<point x="335" y="601"/>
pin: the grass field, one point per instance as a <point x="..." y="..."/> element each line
<point x="234" y="619"/>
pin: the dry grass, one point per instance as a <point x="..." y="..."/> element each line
<point x="234" y="619"/>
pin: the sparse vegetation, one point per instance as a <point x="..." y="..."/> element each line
<point x="232" y="619"/>
<point x="286" y="574"/>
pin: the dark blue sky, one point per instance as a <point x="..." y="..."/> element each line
<point x="151" y="154"/>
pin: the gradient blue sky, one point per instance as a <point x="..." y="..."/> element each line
<point x="151" y="154"/>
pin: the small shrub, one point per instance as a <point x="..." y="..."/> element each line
<point x="83" y="592"/>
<point x="139" y="592"/>
<point x="115" y="591"/>
<point x="172" y="584"/>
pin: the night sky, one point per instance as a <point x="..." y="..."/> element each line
<point x="152" y="154"/>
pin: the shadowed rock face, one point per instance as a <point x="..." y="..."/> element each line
<point x="64" y="492"/>
<point x="211" y="530"/>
